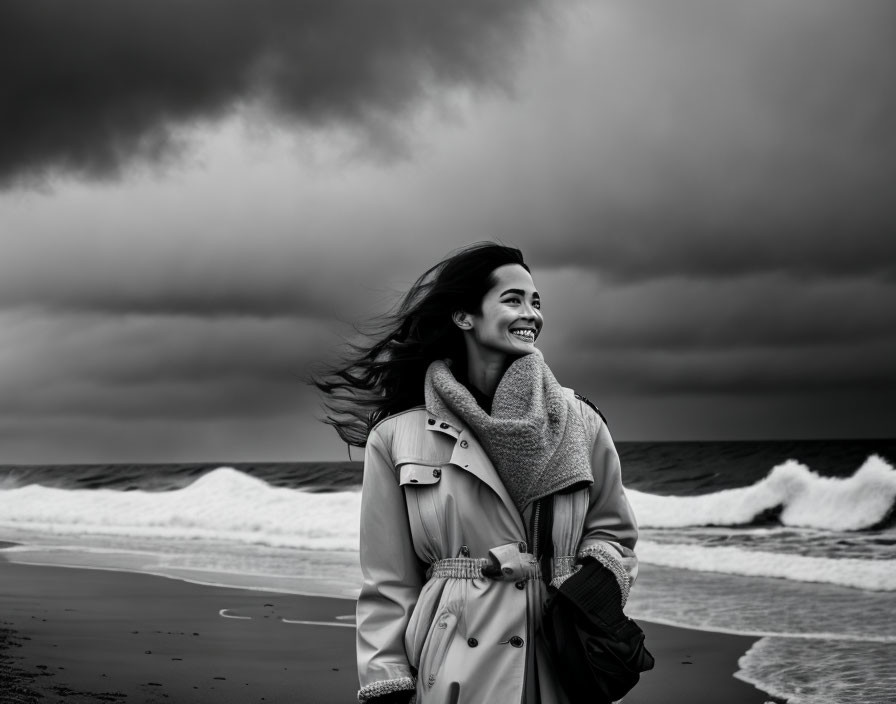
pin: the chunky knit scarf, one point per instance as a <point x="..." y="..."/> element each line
<point x="535" y="440"/>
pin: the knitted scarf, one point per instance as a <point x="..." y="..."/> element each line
<point x="534" y="438"/>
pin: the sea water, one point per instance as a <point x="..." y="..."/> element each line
<point x="791" y="542"/>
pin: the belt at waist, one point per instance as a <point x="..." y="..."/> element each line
<point x="527" y="567"/>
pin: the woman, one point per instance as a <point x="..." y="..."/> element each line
<point x="484" y="481"/>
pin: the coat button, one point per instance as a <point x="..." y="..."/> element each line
<point x="464" y="444"/>
<point x="516" y="642"/>
<point x="437" y="473"/>
<point x="472" y="642"/>
<point x="520" y="585"/>
<point x="431" y="421"/>
<point x="443" y="425"/>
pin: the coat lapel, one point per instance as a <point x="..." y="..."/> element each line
<point x="469" y="456"/>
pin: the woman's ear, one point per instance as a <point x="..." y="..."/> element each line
<point x="461" y="319"/>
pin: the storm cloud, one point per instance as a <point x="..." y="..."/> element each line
<point x="146" y="366"/>
<point x="715" y="139"/>
<point x="90" y="86"/>
<point x="702" y="190"/>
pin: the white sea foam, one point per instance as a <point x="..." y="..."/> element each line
<point x="759" y="606"/>
<point x="233" y="507"/>
<point x="878" y="575"/>
<point x="224" y="505"/>
<point x="821" y="671"/>
<point x="807" y="499"/>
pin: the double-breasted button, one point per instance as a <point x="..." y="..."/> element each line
<point x="437" y="473"/>
<point x="521" y="585"/>
<point x="443" y="425"/>
<point x="464" y="444"/>
<point x="516" y="642"/>
<point x="431" y="421"/>
<point x="472" y="642"/>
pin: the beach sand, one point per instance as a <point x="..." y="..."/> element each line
<point x="85" y="635"/>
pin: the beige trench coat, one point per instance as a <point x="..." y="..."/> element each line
<point x="430" y="492"/>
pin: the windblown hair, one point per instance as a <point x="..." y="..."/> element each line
<point x="385" y="375"/>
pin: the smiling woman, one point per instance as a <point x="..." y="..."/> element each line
<point x="487" y="486"/>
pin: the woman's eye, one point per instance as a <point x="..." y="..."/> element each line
<point x="517" y="300"/>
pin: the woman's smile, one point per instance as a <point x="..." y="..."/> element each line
<point x="525" y="334"/>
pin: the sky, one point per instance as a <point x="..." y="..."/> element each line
<point x="197" y="199"/>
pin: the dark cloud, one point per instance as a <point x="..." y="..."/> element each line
<point x="159" y="399"/>
<point x="769" y="335"/>
<point x="764" y="311"/>
<point x="156" y="367"/>
<point x="825" y="414"/>
<point x="203" y="295"/>
<point x="702" y="188"/>
<point x="162" y="272"/>
<point x="854" y="367"/>
<point x="825" y="391"/>
<point x="83" y="439"/>
<point x="656" y="243"/>
<point x="89" y="86"/>
<point x="715" y="139"/>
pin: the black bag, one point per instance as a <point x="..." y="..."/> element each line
<point x="598" y="651"/>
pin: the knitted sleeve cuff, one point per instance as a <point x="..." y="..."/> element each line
<point x="378" y="689"/>
<point x="608" y="559"/>
<point x="557" y="581"/>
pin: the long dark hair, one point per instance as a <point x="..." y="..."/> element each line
<point x="385" y="376"/>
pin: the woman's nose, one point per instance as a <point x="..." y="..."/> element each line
<point x="531" y="312"/>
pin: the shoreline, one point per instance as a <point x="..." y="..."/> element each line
<point x="115" y="636"/>
<point x="86" y="635"/>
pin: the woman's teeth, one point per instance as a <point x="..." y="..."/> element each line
<point x="527" y="335"/>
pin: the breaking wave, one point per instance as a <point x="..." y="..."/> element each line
<point x="223" y="504"/>
<point x="791" y="495"/>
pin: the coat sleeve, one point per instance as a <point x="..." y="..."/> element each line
<point x="392" y="578"/>
<point x="610" y="531"/>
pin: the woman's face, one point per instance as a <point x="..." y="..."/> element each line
<point x="510" y="320"/>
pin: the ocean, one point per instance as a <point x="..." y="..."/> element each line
<point x="793" y="542"/>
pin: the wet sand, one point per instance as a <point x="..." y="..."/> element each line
<point x="85" y="635"/>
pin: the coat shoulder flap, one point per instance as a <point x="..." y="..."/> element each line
<point x="410" y="441"/>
